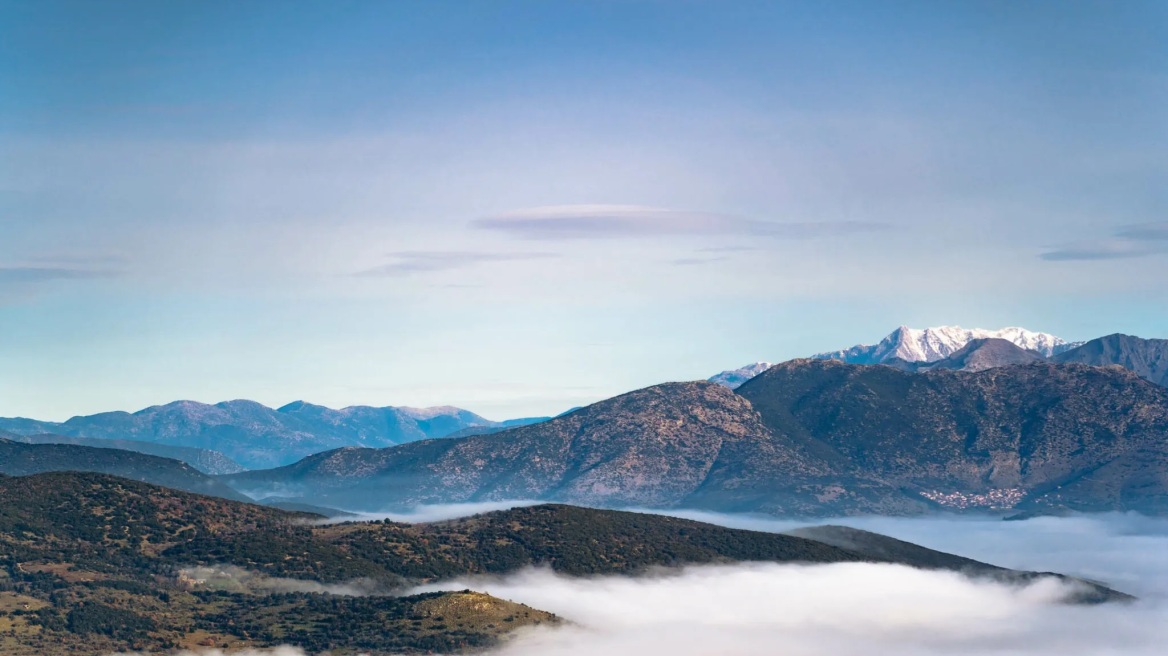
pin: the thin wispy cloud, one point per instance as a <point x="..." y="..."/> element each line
<point x="1150" y="231"/>
<point x="406" y="263"/>
<point x="697" y="261"/>
<point x="729" y="249"/>
<point x="1138" y="240"/>
<point x="16" y="275"/>
<point x="567" y="222"/>
<point x="77" y="260"/>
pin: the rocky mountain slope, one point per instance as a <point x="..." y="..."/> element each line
<point x="679" y="444"/>
<point x="19" y="459"/>
<point x="255" y="435"/>
<point x="1146" y="357"/>
<point x="94" y="565"/>
<point x="807" y="437"/>
<point x="1039" y="435"/>
<point x="208" y="462"/>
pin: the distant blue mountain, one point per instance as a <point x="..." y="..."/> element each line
<point x="257" y="436"/>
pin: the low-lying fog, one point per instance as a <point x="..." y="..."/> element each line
<point x="860" y="609"/>
<point x="436" y="513"/>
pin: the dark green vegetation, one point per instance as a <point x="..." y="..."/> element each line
<point x="807" y="437"/>
<point x="20" y="459"/>
<point x="208" y="462"/>
<point x="92" y="564"/>
<point x="108" y="525"/>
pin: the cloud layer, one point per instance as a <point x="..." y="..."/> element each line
<point x="34" y="274"/>
<point x="405" y="263"/>
<point x="439" y="512"/>
<point x="761" y="609"/>
<point x="566" y="222"/>
<point x="1132" y="241"/>
<point x="824" y="610"/>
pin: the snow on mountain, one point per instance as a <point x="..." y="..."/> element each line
<point x="932" y="344"/>
<point x="916" y="345"/>
<point x="732" y="378"/>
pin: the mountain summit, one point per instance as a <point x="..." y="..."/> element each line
<point x="938" y="343"/>
<point x="913" y="346"/>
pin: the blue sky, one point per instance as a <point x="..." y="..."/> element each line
<point x="518" y="207"/>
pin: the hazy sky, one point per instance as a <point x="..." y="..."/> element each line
<point x="518" y="207"/>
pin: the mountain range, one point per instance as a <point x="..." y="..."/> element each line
<point x="230" y="436"/>
<point x="930" y="344"/>
<point x="254" y="435"/>
<point x="806" y="437"/>
<point x="696" y="445"/>
<point x="948" y="347"/>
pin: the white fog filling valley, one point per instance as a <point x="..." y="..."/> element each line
<point x="865" y="609"/>
<point x="853" y="609"/>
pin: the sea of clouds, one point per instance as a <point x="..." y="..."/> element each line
<point x="864" y="609"/>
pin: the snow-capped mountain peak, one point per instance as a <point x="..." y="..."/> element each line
<point x="916" y="345"/>
<point x="732" y="378"/>
<point x="939" y="342"/>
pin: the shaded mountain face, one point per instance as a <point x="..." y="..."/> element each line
<point x="977" y="355"/>
<point x="208" y="462"/>
<point x="679" y="444"/>
<point x="19" y="459"/>
<point x="255" y="435"/>
<point x="1034" y="436"/>
<point x="1146" y="357"/>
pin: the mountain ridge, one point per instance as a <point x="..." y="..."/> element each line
<point x="936" y="343"/>
<point x="255" y="435"/>
<point x="23" y="459"/>
<point x="918" y="350"/>
<point x="96" y="564"/>
<point x="805" y="438"/>
<point x="204" y="460"/>
<point x="696" y="444"/>
<point x="1146" y="357"/>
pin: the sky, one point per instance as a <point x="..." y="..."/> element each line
<point x="520" y="207"/>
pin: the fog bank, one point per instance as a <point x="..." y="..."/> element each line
<point x="763" y="609"/>
<point x="435" y="512"/>
<point x="1126" y="551"/>
<point x="820" y="610"/>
